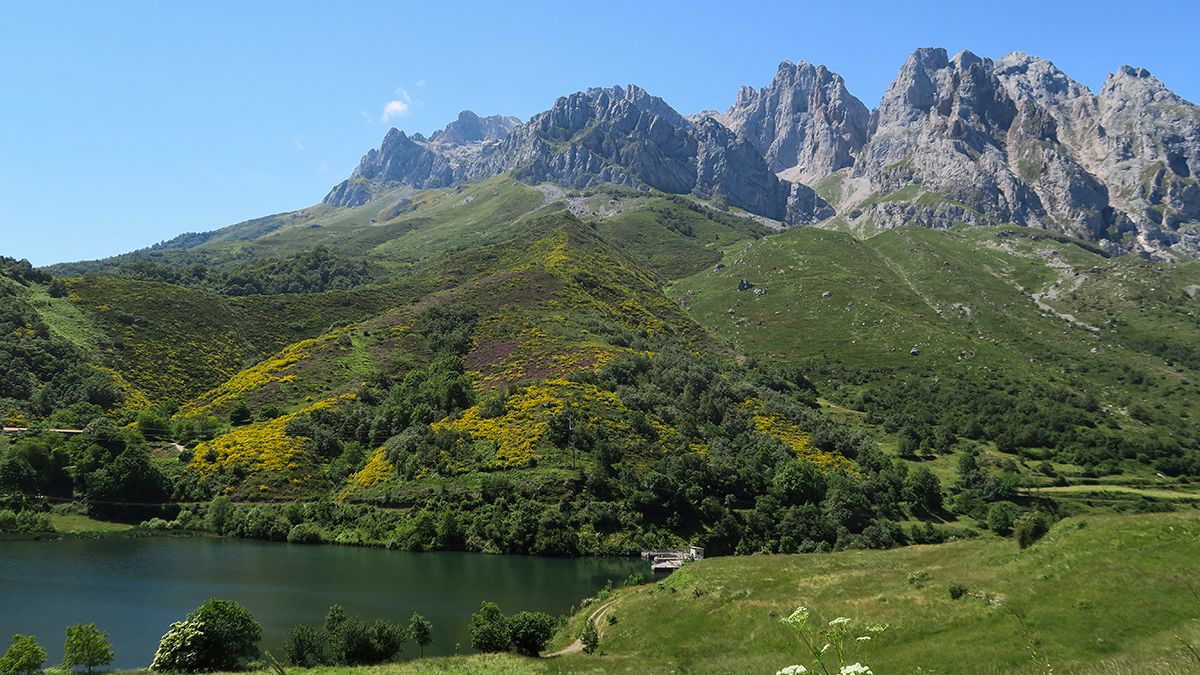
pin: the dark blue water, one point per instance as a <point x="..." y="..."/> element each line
<point x="135" y="588"/>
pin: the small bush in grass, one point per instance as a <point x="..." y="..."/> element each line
<point x="531" y="632"/>
<point x="489" y="629"/>
<point x="957" y="591"/>
<point x="590" y="637"/>
<point x="1030" y="527"/>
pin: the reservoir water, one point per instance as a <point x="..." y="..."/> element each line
<point x="134" y="588"/>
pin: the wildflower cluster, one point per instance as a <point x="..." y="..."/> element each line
<point x="835" y="636"/>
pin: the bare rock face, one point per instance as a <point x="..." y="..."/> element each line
<point x="805" y="122"/>
<point x="969" y="140"/>
<point x="399" y="160"/>
<point x="954" y="140"/>
<point x="618" y="135"/>
<point x="471" y="128"/>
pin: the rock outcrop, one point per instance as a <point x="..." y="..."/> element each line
<point x="954" y="140"/>
<point x="619" y="135"/>
<point x="805" y="123"/>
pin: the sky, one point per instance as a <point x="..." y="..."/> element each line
<point x="125" y="123"/>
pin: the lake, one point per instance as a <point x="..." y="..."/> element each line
<point x="134" y="588"/>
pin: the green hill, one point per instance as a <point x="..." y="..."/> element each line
<point x="1055" y="606"/>
<point x="468" y="367"/>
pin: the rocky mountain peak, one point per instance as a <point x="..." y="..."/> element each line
<point x="955" y="139"/>
<point x="471" y="128"/>
<point x="806" y="124"/>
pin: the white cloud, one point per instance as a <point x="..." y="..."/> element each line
<point x="299" y="144"/>
<point x="421" y="82"/>
<point x="394" y="109"/>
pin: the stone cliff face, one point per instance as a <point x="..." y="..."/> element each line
<point x="954" y="140"/>
<point x="804" y="121"/>
<point x="620" y="135"/>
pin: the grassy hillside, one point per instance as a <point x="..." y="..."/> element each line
<point x="1057" y="605"/>
<point x="906" y="319"/>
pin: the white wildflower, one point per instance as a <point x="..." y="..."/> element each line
<point x="863" y="638"/>
<point x="841" y="620"/>
<point x="797" y="618"/>
<point x="793" y="670"/>
<point x="855" y="669"/>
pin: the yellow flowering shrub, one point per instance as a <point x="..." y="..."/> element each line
<point x="534" y="354"/>
<point x="517" y="433"/>
<point x="376" y="470"/>
<point x="261" y="447"/>
<point x="795" y="438"/>
<point x="271" y="370"/>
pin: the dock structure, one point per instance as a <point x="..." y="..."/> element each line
<point x="669" y="560"/>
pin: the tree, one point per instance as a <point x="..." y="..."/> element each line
<point x="590" y="637"/>
<point x="923" y="489"/>
<point x="1000" y="517"/>
<point x="219" y="635"/>
<point x="24" y="655"/>
<point x="240" y="414"/>
<point x="489" y="629"/>
<point x="531" y="632"/>
<point x="87" y="646"/>
<point x="798" y="482"/>
<point x="421" y="630"/>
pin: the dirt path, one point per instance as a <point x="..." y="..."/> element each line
<point x="577" y="646"/>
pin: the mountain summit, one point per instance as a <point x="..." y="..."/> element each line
<point x="955" y="140"/>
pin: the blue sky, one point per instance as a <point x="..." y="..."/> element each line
<point x="126" y="123"/>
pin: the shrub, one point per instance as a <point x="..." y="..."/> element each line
<point x="957" y="591"/>
<point x="489" y="629"/>
<point x="421" y="630"/>
<point x="307" y="646"/>
<point x="1030" y="527"/>
<point x="1000" y="517"/>
<point x="530" y="632"/>
<point x="87" y="646"/>
<point x="917" y="578"/>
<point x="219" y="635"/>
<point x="590" y="637"/>
<point x="306" y="533"/>
<point x="356" y="642"/>
<point x="24" y="655"/>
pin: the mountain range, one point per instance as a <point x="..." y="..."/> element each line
<point x="621" y="324"/>
<point x="955" y="140"/>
